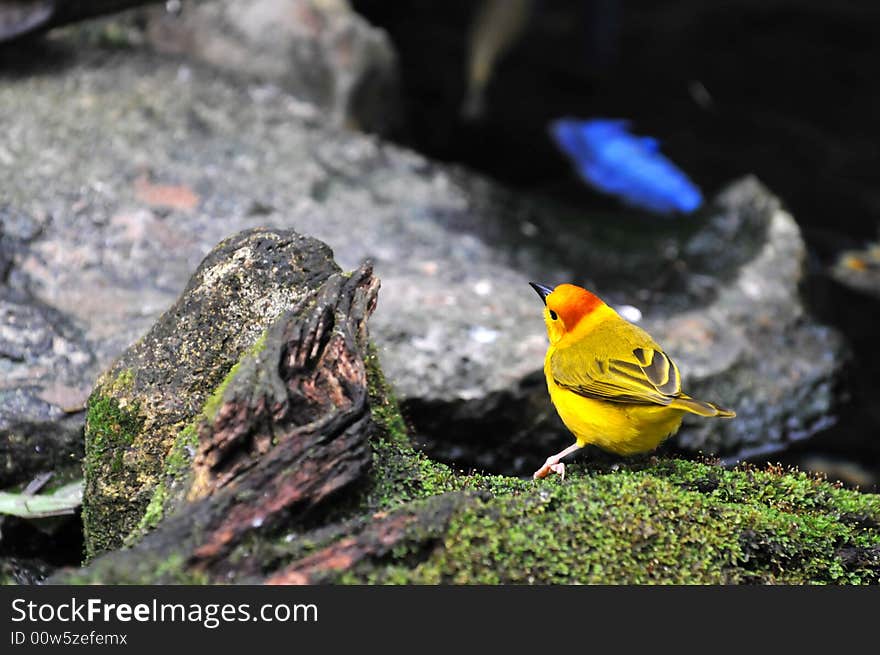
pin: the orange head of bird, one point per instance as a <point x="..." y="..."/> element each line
<point x="564" y="307"/>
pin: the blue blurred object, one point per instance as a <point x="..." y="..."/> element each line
<point x="612" y="160"/>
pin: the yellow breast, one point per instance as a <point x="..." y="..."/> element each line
<point x="618" y="427"/>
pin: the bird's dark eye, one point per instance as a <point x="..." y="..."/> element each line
<point x="553" y="316"/>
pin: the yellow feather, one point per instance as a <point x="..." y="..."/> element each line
<point x="619" y="428"/>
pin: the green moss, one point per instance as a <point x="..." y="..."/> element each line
<point x="110" y="430"/>
<point x="646" y="521"/>
<point x="180" y="456"/>
<point x="121" y="385"/>
<point x="174" y="476"/>
<point x="173" y="570"/>
<point x="652" y="525"/>
<point x="155" y="510"/>
<point x="110" y="425"/>
<point x="150" y="568"/>
<point x="215" y="400"/>
<point x="401" y="474"/>
<point x="173" y="483"/>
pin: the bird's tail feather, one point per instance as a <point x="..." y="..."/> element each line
<point x="701" y="407"/>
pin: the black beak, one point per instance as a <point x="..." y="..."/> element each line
<point x="542" y="290"/>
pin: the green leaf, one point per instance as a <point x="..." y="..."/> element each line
<point x="63" y="500"/>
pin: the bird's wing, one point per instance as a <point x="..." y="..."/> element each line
<point x="646" y="377"/>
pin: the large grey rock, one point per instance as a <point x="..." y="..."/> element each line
<point x="321" y="51"/>
<point x="158" y="161"/>
<point x="46" y="368"/>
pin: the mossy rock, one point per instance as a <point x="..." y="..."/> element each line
<point x="649" y="525"/>
<point x="292" y="464"/>
<point x="140" y="412"/>
<point x="647" y="520"/>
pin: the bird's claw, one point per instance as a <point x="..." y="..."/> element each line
<point x="559" y="469"/>
<point x="550" y="466"/>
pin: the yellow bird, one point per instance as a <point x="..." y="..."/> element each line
<point x="610" y="382"/>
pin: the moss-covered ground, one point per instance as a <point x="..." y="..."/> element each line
<point x="645" y="520"/>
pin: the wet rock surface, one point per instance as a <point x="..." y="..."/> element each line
<point x="165" y="159"/>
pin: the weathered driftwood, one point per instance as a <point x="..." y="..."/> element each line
<point x="293" y="430"/>
<point x="145" y="412"/>
<point x="290" y="434"/>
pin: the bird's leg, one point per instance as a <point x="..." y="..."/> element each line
<point x="554" y="465"/>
